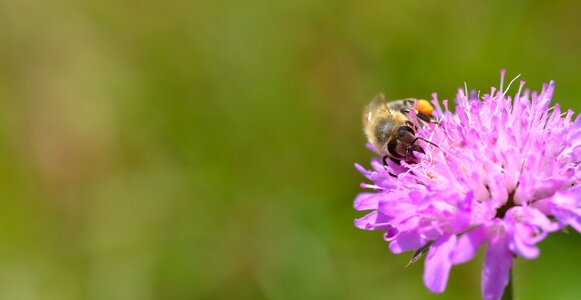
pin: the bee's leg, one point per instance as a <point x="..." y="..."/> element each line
<point x="419" y="115"/>
<point x="427" y="119"/>
<point x="424" y="118"/>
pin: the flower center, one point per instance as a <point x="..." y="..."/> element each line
<point x="503" y="209"/>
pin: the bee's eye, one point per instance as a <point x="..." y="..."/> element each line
<point x="403" y="129"/>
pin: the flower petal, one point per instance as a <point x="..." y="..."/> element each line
<point x="537" y="218"/>
<point x="366" y="201"/>
<point x="406" y="241"/>
<point x="366" y="222"/>
<point x="521" y="243"/>
<point x="566" y="207"/>
<point x="468" y="245"/>
<point x="438" y="263"/>
<point x="496" y="270"/>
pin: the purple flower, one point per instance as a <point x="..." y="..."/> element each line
<point x="504" y="175"/>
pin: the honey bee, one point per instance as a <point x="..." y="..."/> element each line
<point x="391" y="130"/>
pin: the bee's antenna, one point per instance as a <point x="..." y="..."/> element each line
<point x="414" y="141"/>
<point x="425" y="140"/>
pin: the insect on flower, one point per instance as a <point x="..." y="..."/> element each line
<point x="505" y="174"/>
<point x="390" y="126"/>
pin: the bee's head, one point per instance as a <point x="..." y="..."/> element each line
<point x="404" y="143"/>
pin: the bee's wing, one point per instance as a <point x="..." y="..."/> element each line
<point x="378" y="105"/>
<point x="407" y="104"/>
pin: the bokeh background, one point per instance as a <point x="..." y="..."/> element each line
<point x="205" y="149"/>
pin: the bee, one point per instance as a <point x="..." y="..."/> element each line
<point x="391" y="130"/>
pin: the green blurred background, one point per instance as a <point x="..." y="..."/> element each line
<point x="205" y="149"/>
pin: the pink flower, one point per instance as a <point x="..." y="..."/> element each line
<point x="505" y="174"/>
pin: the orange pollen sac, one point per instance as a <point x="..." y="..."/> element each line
<point x="424" y="107"/>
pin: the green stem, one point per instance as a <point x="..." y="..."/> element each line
<point x="508" y="295"/>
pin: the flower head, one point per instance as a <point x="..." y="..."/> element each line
<point x="505" y="173"/>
